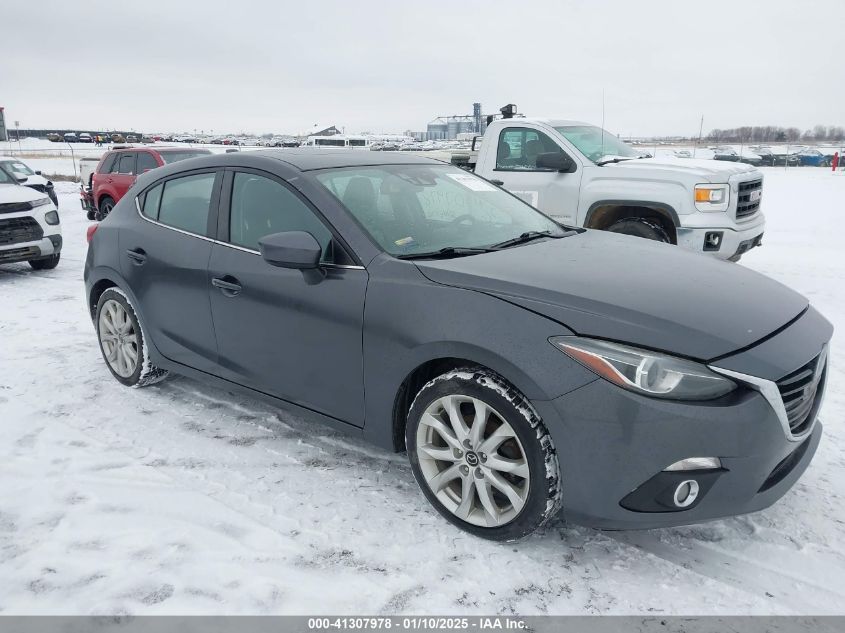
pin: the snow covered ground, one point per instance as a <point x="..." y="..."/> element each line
<point x="180" y="498"/>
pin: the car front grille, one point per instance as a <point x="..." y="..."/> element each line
<point x="748" y="202"/>
<point x="801" y="392"/>
<point x="17" y="230"/>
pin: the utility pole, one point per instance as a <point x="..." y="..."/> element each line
<point x="698" y="142"/>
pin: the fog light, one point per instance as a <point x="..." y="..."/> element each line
<point x="51" y="218"/>
<point x="696" y="463"/>
<point x="713" y="240"/>
<point x="686" y="493"/>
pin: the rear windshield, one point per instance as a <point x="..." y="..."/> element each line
<point x="174" y="157"/>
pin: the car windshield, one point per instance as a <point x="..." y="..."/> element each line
<point x="5" y="177"/>
<point x="417" y="209"/>
<point x="16" y="166"/>
<point x="595" y="143"/>
<point x="173" y="157"/>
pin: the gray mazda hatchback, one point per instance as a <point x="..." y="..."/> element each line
<point x="525" y="366"/>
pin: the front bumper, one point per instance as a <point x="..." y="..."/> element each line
<point x="26" y="251"/>
<point x="612" y="442"/>
<point x="733" y="240"/>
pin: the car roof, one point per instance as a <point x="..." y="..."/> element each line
<point x="307" y="158"/>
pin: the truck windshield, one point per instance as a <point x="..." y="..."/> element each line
<point x="595" y="143"/>
<point x="418" y="209"/>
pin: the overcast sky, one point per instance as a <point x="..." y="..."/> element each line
<point x="388" y="65"/>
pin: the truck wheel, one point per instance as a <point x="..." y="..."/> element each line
<point x="48" y="263"/>
<point x="104" y="208"/>
<point x="640" y="227"/>
<point x="482" y="456"/>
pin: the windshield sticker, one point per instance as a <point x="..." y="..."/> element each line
<point x="471" y="182"/>
<point x="405" y="241"/>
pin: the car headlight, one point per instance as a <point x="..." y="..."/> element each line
<point x="645" y="372"/>
<point x="40" y="202"/>
<point x="712" y="197"/>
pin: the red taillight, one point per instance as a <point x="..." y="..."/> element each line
<point x="89" y="234"/>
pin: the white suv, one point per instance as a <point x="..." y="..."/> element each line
<point x="29" y="226"/>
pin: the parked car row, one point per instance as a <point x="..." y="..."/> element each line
<point x="773" y="156"/>
<point x="97" y="137"/>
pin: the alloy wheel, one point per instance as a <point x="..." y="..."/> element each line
<point x="472" y="460"/>
<point x="118" y="339"/>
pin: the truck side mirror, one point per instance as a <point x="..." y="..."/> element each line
<point x="557" y="161"/>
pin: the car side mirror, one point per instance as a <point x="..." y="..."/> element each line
<point x="557" y="161"/>
<point x="291" y="249"/>
<point x="38" y="172"/>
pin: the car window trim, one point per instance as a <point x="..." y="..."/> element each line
<point x="214" y="211"/>
<point x="211" y="226"/>
<point x="226" y="205"/>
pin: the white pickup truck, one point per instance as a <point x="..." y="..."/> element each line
<point x="584" y="176"/>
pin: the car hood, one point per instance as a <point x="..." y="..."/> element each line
<point x="709" y="170"/>
<point x="631" y="290"/>
<point x="19" y="193"/>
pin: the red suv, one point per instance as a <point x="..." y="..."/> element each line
<point x="117" y="170"/>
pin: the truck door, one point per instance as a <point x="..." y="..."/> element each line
<point x="554" y="193"/>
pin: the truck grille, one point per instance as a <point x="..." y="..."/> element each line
<point x="16" y="230"/>
<point x="801" y="391"/>
<point x="748" y="202"/>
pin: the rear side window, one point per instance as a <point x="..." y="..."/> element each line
<point x="126" y="164"/>
<point x="145" y="161"/>
<point x="185" y="203"/>
<point x="108" y="164"/>
<point x="151" y="202"/>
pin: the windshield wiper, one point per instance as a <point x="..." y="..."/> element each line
<point x="528" y="236"/>
<point x="449" y="251"/>
<point x="615" y="159"/>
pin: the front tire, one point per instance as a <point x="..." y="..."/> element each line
<point x="122" y="341"/>
<point x="641" y="227"/>
<point x="48" y="263"/>
<point x="482" y="456"/>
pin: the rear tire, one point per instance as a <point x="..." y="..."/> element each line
<point x="48" y="263"/>
<point x="641" y="227"/>
<point x="499" y="480"/>
<point x="122" y="341"/>
<point x="104" y="208"/>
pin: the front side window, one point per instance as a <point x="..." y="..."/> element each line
<point x="595" y="143"/>
<point x="126" y="165"/>
<point x="262" y="206"/>
<point x="519" y="147"/>
<point x="145" y="162"/>
<point x="185" y="203"/>
<point x="411" y="209"/>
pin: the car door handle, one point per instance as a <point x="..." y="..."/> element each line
<point x="137" y="255"/>
<point x="498" y="182"/>
<point x="229" y="286"/>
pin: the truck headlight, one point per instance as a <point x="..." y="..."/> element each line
<point x="644" y="372"/>
<point x="712" y="197"/>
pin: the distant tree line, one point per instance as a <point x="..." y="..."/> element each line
<point x="776" y="134"/>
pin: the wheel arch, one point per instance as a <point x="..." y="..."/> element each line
<point x="603" y="213"/>
<point x="426" y="370"/>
